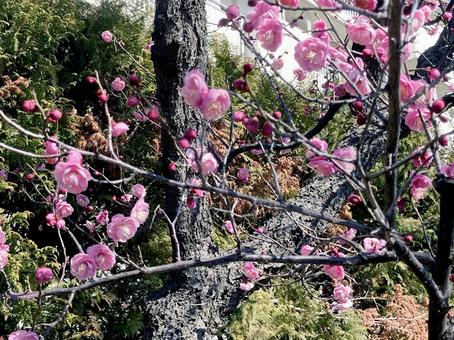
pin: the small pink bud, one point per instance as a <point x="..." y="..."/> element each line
<point x="190" y="134"/>
<point x="361" y="119"/>
<point x="247" y="68"/>
<point x="267" y="129"/>
<point x="252" y="125"/>
<point x="103" y="98"/>
<point x="238" y="116"/>
<point x="451" y="277"/>
<point x="277" y="114"/>
<point x="43" y="275"/>
<point x="443" y="118"/>
<point x="191" y="203"/>
<point x="447" y="16"/>
<point x="240" y="85"/>
<point x="91" y="80"/>
<point x="223" y="22"/>
<point x="444" y="141"/>
<point x="354" y="199"/>
<point x="29" y="105"/>
<point x="367" y="52"/>
<point x="433" y="73"/>
<point x="438" y="106"/>
<point x="260" y="230"/>
<point x="183" y="143"/>
<point x="172" y="167"/>
<point x="248" y="27"/>
<point x="30" y="176"/>
<point x="153" y="114"/>
<point x="243" y="175"/>
<point x="134" y="79"/>
<point x="408" y="238"/>
<point x="54" y="115"/>
<point x="401" y="202"/>
<point x="133" y="101"/>
<point x="358" y="105"/>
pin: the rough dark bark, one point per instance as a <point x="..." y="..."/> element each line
<point x="180" y="39"/>
<point x="438" y="315"/>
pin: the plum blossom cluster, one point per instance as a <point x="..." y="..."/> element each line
<point x="85" y="265"/>
<point x="212" y="103"/>
<point x="23" y="335"/>
<point x="251" y="274"/>
<point x="4" y="248"/>
<point x="323" y="166"/>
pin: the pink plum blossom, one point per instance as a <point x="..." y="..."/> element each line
<point x="102" y="255"/>
<point x="448" y="170"/>
<point x="278" y="64"/>
<point x="63" y="209"/>
<point x="243" y="175"/>
<point x="409" y="88"/>
<point x="208" y="162"/>
<point x="322" y="166"/>
<point x="102" y="217"/>
<point x="215" y="104"/>
<point x="423" y="159"/>
<point x="233" y="12"/>
<point x="361" y="32"/>
<point x="341" y="294"/>
<point x="140" y="211"/>
<point x="119" y="128"/>
<point x="90" y="226"/>
<point x="83" y="267"/>
<point x="194" y="88"/>
<point x="306" y="250"/>
<point x="107" y="36"/>
<point x="335" y="272"/>
<point x="319" y="30"/>
<point x="71" y="175"/>
<point x="348" y="154"/>
<point x="228" y="225"/>
<point x="260" y="12"/>
<point x="373" y="245"/>
<point x="413" y="118"/>
<point x="311" y="54"/>
<point x="23" y="335"/>
<point x="118" y="84"/>
<point x="3" y="259"/>
<point x="419" y="184"/>
<point x="251" y="271"/>
<point x="247" y="285"/>
<point x="43" y="274"/>
<point x="122" y="228"/>
<point x="82" y="200"/>
<point x="138" y="190"/>
<point x="270" y="34"/>
<point x="51" y="148"/>
<point x="318" y="144"/>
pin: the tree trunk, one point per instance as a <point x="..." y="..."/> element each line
<point x="180" y="39"/>
<point x="438" y="315"/>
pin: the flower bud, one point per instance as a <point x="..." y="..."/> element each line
<point x="238" y="116"/>
<point x="172" y="167"/>
<point x="367" y="53"/>
<point x="247" y="68"/>
<point x="190" y="134"/>
<point x="361" y="119"/>
<point x="354" y="199"/>
<point x="267" y="129"/>
<point x="240" y="85"/>
<point x="133" y="101"/>
<point x="438" y="106"/>
<point x="29" y="105"/>
<point x="252" y="3"/>
<point x="277" y="114"/>
<point x="358" y="105"/>
<point x="183" y="143"/>
<point x="54" y="115"/>
<point x="134" y="79"/>
<point x="43" y="275"/>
